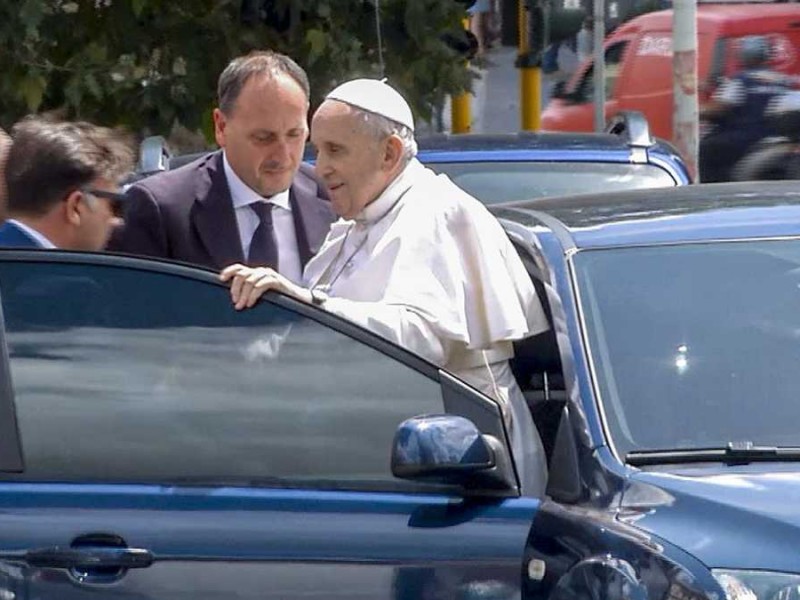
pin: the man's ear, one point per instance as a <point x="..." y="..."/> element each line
<point x="393" y="152"/>
<point x="219" y="127"/>
<point x="73" y="207"/>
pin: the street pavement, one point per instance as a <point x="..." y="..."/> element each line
<point x="495" y="105"/>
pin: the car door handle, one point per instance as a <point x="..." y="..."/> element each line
<point x="89" y="557"/>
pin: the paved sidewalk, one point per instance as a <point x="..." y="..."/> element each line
<point x="495" y="100"/>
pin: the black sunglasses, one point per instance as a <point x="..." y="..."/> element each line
<point x="117" y="199"/>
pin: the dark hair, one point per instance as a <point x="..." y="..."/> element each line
<point x="240" y="69"/>
<point x="49" y="159"/>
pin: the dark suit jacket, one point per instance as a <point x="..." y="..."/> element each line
<point x="188" y="215"/>
<point x="12" y="236"/>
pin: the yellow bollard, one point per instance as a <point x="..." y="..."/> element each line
<point x="530" y="81"/>
<point x="530" y="76"/>
<point x="460" y="118"/>
<point x="460" y="112"/>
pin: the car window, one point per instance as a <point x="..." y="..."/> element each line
<point x="695" y="345"/>
<point x="613" y="68"/>
<point x="125" y="374"/>
<point x="495" y="182"/>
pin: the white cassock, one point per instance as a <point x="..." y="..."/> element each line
<point x="428" y="267"/>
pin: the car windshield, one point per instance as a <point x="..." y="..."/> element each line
<point x="697" y="345"/>
<point x="495" y="182"/>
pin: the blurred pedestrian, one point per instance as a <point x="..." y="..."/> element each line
<point x="5" y="145"/>
<point x="253" y="201"/>
<point x="479" y="14"/>
<point x="414" y="258"/>
<point x="63" y="184"/>
<point x="584" y="40"/>
<point x="737" y="111"/>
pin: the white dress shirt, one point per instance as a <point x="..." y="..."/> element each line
<point x="42" y="240"/>
<point x="289" y="264"/>
<point x="428" y="267"/>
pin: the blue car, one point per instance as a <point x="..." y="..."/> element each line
<point x="674" y="355"/>
<point x="155" y="443"/>
<point x="509" y="167"/>
<point x="497" y="168"/>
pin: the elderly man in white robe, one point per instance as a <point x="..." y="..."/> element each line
<point x="413" y="257"/>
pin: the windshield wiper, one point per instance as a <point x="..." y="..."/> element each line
<point x="735" y="453"/>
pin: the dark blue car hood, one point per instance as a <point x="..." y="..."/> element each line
<point x="745" y="517"/>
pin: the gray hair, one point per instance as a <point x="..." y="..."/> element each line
<point x="241" y="69"/>
<point x="380" y="128"/>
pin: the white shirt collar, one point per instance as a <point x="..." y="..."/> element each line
<point x="43" y="241"/>
<point x="379" y="207"/>
<point x="243" y="195"/>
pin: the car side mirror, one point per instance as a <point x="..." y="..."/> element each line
<point x="154" y="155"/>
<point x="449" y="449"/>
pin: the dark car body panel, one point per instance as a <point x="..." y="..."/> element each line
<point x="694" y="213"/>
<point x="253" y="539"/>
<point x="759" y="499"/>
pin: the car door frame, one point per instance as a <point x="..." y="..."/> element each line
<point x="450" y="385"/>
<point x="11" y="459"/>
<point x="503" y="508"/>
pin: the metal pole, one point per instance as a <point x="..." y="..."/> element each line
<point x="530" y="76"/>
<point x="685" y="126"/>
<point x="380" y="37"/>
<point x="599" y="65"/>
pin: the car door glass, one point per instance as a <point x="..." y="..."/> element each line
<point x="130" y="375"/>
<point x="613" y="67"/>
<point x="507" y="181"/>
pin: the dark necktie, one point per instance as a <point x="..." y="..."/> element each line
<point x="263" y="249"/>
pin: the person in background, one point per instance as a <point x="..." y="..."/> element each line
<point x="737" y="110"/>
<point x="479" y="26"/>
<point x="63" y="184"/>
<point x="253" y="201"/>
<point x="584" y="40"/>
<point x="413" y="257"/>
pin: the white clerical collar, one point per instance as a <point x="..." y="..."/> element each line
<point x="243" y="195"/>
<point x="379" y="207"/>
<point x="30" y="231"/>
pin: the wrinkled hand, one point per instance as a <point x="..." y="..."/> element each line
<point x="248" y="284"/>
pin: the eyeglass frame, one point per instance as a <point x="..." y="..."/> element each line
<point x="118" y="199"/>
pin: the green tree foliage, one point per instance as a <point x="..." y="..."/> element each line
<point x="148" y="64"/>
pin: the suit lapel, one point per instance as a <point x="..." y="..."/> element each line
<point x="213" y="215"/>
<point x="312" y="217"/>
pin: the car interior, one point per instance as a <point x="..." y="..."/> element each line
<point x="539" y="369"/>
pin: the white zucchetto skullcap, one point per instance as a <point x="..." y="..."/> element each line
<point x="375" y="96"/>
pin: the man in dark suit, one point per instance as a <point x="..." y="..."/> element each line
<point x="63" y="180"/>
<point x="253" y="201"/>
<point x="14" y="236"/>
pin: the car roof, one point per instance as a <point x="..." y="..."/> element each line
<point x="541" y="146"/>
<point x="723" y="211"/>
<point x="525" y="145"/>
<point x="521" y="141"/>
<point x="749" y="12"/>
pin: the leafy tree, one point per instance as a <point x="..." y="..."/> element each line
<point x="149" y="64"/>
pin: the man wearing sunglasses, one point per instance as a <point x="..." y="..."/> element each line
<point x="63" y="185"/>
